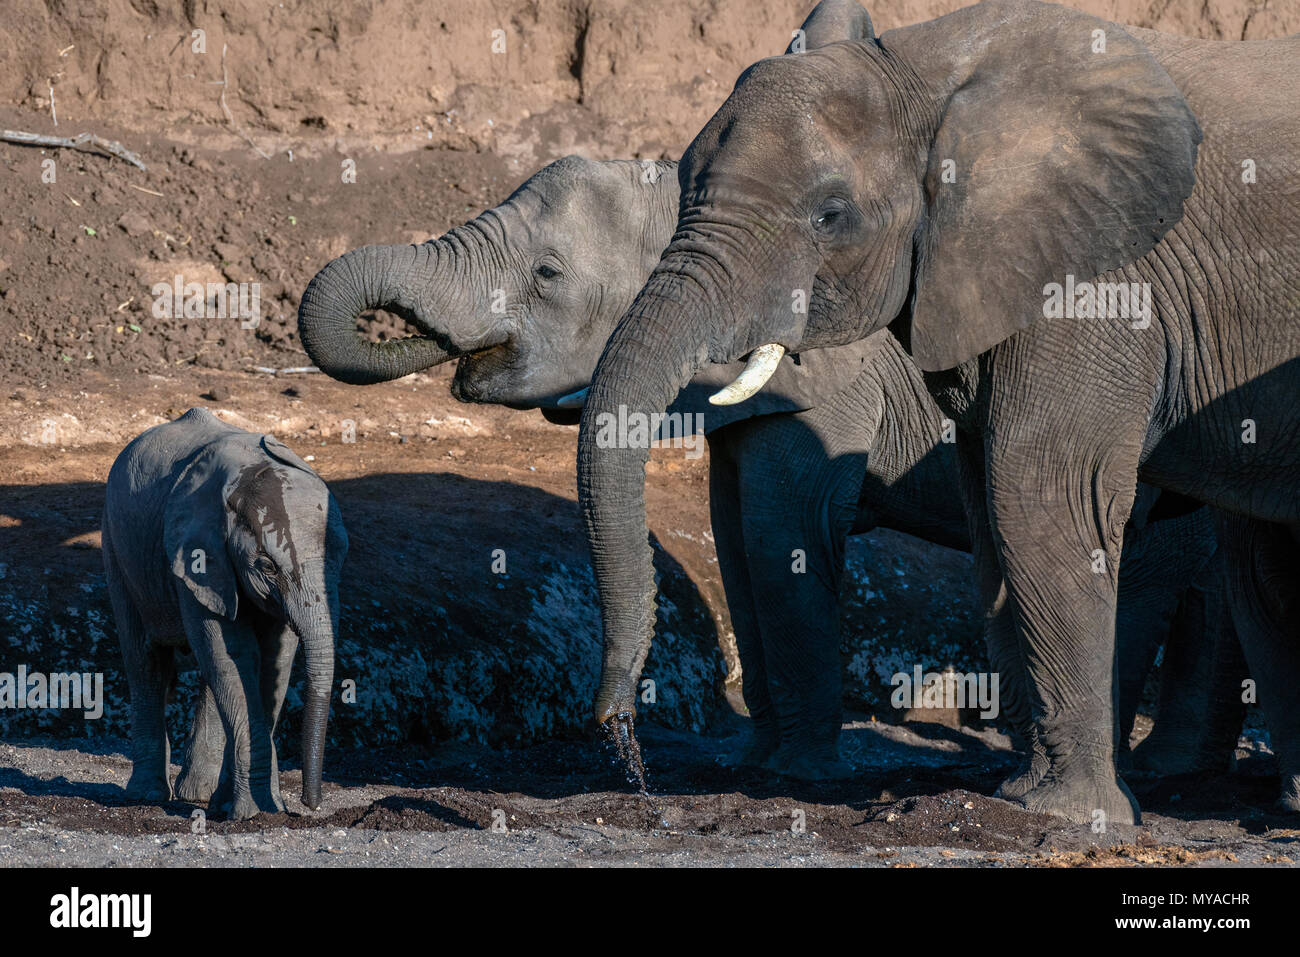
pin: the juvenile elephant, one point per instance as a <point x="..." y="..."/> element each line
<point x="844" y="441"/>
<point x="229" y="543"/>
<point x="977" y="184"/>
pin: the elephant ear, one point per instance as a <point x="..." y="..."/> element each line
<point x="283" y="454"/>
<point x="1064" y="149"/>
<point x="337" y="535"/>
<point x="830" y="22"/>
<point x="196" y="526"/>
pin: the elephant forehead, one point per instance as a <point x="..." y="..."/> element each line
<point x="789" y="116"/>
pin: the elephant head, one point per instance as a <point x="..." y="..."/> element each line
<point x="931" y="181"/>
<point x="260" y="525"/>
<point x="525" y="294"/>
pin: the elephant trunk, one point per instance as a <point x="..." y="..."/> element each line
<point x="318" y="651"/>
<point x="656" y="349"/>
<point x="419" y="283"/>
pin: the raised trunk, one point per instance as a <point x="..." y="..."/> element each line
<point x="653" y="353"/>
<point x="422" y="284"/>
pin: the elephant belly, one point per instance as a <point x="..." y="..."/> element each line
<point x="162" y="620"/>
<point x="1240" y="451"/>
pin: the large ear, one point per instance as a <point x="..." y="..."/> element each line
<point x="1064" y="149"/>
<point x="830" y="22"/>
<point x="196" y="524"/>
<point x="283" y="454"/>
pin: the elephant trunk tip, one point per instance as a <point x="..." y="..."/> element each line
<point x="615" y="706"/>
<point x="316" y="714"/>
<point x="311" y="796"/>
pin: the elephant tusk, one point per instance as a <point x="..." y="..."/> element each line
<point x="574" y="400"/>
<point x="762" y="363"/>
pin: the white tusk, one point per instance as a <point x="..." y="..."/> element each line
<point x="762" y="363"/>
<point x="573" y="400"/>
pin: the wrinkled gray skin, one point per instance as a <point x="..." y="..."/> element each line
<point x="866" y="452"/>
<point x="569" y="250"/>
<point x="824" y="172"/>
<point x="272" y="545"/>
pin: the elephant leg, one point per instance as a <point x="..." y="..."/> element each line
<point x="1260" y="562"/>
<point x="797" y="509"/>
<point x="724" y="513"/>
<point x="203" y="768"/>
<point x="1002" y="643"/>
<point x="229" y="658"/>
<point x="1200" y="708"/>
<point x="149" y="672"/>
<point x="278" y="644"/>
<point x="1059" y="523"/>
<point x="1153" y="573"/>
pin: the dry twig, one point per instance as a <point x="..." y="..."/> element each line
<point x="86" y="142"/>
<point x="229" y="117"/>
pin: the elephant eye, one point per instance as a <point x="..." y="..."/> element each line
<point x="547" y="271"/>
<point x="833" y="216"/>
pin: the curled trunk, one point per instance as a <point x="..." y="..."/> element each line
<point x="419" y="283"/>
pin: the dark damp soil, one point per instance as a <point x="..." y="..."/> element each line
<point x="556" y="801"/>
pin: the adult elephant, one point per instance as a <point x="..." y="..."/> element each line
<point x="951" y="181"/>
<point x="844" y="441"/>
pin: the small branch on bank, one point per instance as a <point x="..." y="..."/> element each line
<point x="293" y="370"/>
<point x="86" y="142"/>
<point x="226" y="110"/>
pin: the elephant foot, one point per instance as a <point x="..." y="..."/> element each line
<point x="149" y="787"/>
<point x="276" y="797"/>
<point x="763" y="742"/>
<point x="245" y="807"/>
<point x="268" y="796"/>
<point x="198" y="784"/>
<point x="757" y="752"/>
<point x="1096" y="802"/>
<point x="224" y="794"/>
<point x="259" y="799"/>
<point x="1026" y="779"/>
<point x="1159" y="759"/>
<point x="1289" y="802"/>
<point x="804" y="765"/>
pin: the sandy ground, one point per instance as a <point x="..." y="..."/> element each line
<point x="915" y="801"/>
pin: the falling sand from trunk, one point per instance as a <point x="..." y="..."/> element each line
<point x="622" y="733"/>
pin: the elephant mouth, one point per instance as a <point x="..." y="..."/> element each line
<point x="562" y="416"/>
<point x="497" y="376"/>
<point x="478" y="375"/>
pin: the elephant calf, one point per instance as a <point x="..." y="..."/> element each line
<point x="229" y="542"/>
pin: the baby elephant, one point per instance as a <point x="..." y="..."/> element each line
<point x="228" y="541"/>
